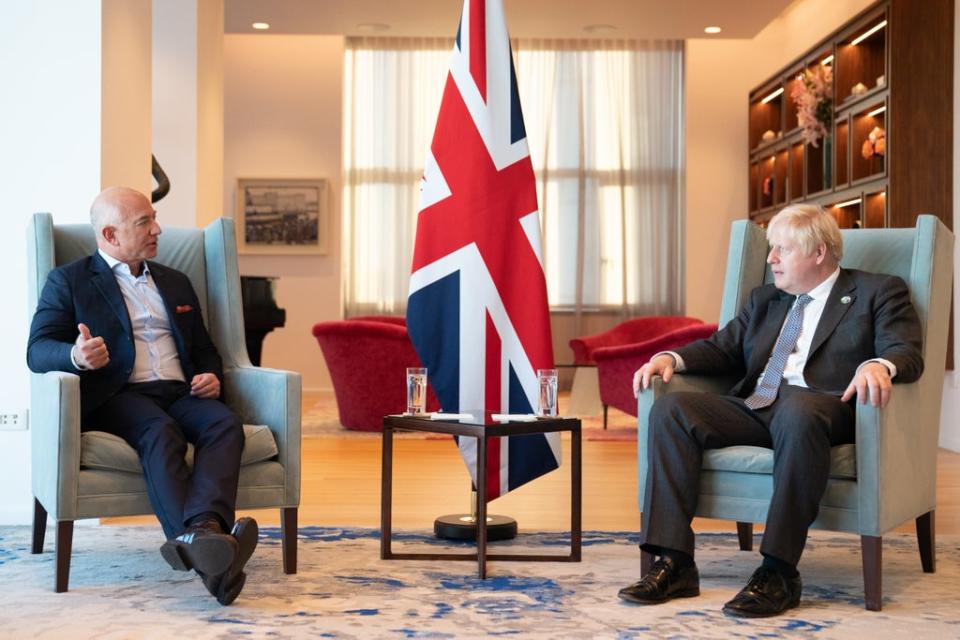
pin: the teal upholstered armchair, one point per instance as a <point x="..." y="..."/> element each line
<point x="889" y="476"/>
<point x="95" y="474"/>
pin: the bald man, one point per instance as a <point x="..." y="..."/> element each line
<point x="149" y="373"/>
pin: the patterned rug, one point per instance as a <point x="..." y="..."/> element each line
<point x="321" y="420"/>
<point x="121" y="588"/>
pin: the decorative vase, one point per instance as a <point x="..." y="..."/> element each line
<point x="827" y="161"/>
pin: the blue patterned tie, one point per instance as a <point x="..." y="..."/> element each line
<point x="766" y="393"/>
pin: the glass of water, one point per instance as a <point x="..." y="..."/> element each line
<point x="548" y="392"/>
<point x="416" y="391"/>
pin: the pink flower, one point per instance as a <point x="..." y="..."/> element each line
<point x="812" y="95"/>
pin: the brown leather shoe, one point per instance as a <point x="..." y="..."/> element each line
<point x="665" y="581"/>
<point x="203" y="546"/>
<point x="768" y="593"/>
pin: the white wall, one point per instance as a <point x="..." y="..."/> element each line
<point x="949" y="423"/>
<point x="55" y="156"/>
<point x="188" y="108"/>
<point x="282" y="98"/>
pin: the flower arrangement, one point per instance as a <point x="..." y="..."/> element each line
<point x="875" y="144"/>
<point x="812" y="94"/>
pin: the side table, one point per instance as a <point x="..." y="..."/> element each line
<point x="482" y="431"/>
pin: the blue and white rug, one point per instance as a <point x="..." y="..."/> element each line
<point x="121" y="588"/>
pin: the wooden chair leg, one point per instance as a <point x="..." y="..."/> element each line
<point x="745" y="535"/>
<point x="605" y="408"/>
<point x="39" y="526"/>
<point x="646" y="561"/>
<point x="288" y="535"/>
<point x="927" y="538"/>
<point x="64" y="547"/>
<point x="870" y="547"/>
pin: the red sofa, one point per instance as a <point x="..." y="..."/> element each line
<point x="627" y="332"/>
<point x="616" y="365"/>
<point x="367" y="359"/>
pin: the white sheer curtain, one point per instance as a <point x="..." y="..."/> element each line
<point x="605" y="129"/>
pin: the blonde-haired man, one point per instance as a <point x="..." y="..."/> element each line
<point x="803" y="348"/>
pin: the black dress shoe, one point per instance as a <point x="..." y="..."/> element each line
<point x="226" y="586"/>
<point x="768" y="593"/>
<point x="663" y="582"/>
<point x="203" y="546"/>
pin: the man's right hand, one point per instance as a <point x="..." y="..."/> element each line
<point x="662" y="365"/>
<point x="90" y="352"/>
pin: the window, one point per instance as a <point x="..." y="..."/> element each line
<point x="604" y="127"/>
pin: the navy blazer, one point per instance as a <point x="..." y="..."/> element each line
<point x="86" y="291"/>
<point x="866" y="316"/>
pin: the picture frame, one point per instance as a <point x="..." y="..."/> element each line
<point x="282" y="216"/>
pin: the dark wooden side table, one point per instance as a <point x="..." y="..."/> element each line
<point x="482" y="432"/>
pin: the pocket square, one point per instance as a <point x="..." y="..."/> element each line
<point x="184" y="308"/>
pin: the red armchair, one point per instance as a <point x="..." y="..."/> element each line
<point x="627" y="332"/>
<point x="616" y="365"/>
<point x="367" y="360"/>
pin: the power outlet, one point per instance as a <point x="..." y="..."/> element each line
<point x="13" y="420"/>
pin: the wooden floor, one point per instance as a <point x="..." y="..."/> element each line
<point x="341" y="486"/>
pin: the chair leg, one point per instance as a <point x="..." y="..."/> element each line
<point x="288" y="535"/>
<point x="870" y="547"/>
<point x="39" y="526"/>
<point x="927" y="537"/>
<point x="605" y="408"/>
<point x="745" y="535"/>
<point x="64" y="547"/>
<point x="646" y="561"/>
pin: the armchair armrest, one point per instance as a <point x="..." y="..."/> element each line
<point x="896" y="459"/>
<point x="271" y="397"/>
<point x="657" y="389"/>
<point x="55" y="441"/>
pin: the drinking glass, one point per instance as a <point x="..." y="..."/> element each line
<point x="548" y="392"/>
<point x="416" y="390"/>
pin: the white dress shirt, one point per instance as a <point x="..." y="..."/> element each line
<point x="797" y="360"/>
<point x="156" y="355"/>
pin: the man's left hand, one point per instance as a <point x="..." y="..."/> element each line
<point x="875" y="377"/>
<point x="205" y="385"/>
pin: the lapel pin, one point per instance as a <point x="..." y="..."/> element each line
<point x="845" y="300"/>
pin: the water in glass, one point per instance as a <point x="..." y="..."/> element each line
<point x="416" y="390"/>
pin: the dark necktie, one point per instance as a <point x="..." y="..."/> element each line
<point x="766" y="392"/>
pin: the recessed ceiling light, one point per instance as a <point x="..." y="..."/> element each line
<point x="712" y="30"/>
<point x="372" y="27"/>
<point x="599" y="28"/>
<point x="261" y="25"/>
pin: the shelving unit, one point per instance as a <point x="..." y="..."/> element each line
<point x="892" y="68"/>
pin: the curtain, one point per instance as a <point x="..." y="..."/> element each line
<point x="604" y="122"/>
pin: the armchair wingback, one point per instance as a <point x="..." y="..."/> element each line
<point x="93" y="474"/>
<point x="889" y="476"/>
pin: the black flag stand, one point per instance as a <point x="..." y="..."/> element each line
<point x="463" y="526"/>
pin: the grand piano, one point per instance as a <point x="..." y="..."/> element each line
<point x="261" y="315"/>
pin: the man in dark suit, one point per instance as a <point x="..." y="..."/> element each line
<point x="149" y="373"/>
<point x="803" y="348"/>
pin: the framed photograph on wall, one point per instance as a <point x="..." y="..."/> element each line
<point x="282" y="216"/>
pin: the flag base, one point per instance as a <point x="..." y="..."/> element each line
<point x="463" y="526"/>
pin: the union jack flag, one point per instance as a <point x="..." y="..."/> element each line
<point x="478" y="313"/>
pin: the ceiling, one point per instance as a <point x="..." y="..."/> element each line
<point x="670" y="19"/>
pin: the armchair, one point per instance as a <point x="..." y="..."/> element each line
<point x="616" y="365"/>
<point x="889" y="476"/>
<point x="366" y="359"/>
<point x="94" y="474"/>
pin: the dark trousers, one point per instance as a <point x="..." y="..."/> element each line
<point x="800" y="427"/>
<point x="158" y="419"/>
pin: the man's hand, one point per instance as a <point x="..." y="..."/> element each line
<point x="90" y="352"/>
<point x="875" y="377"/>
<point x="205" y="385"/>
<point x="662" y="365"/>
